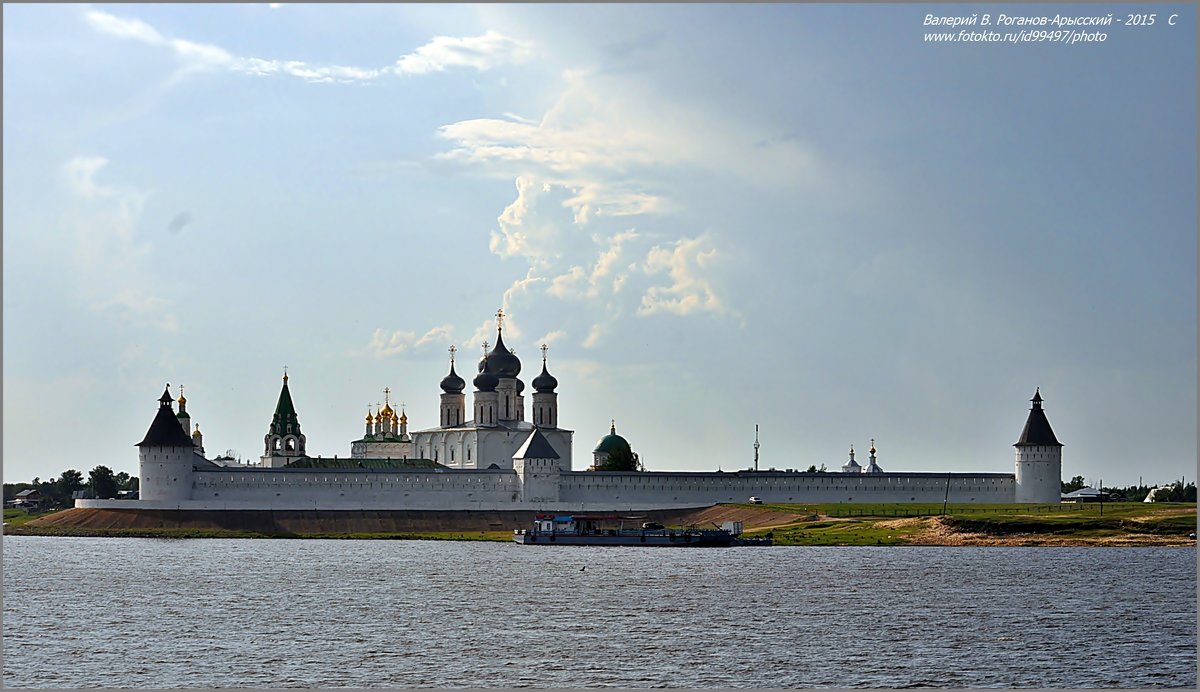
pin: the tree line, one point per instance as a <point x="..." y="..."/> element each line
<point x="101" y="483"/>
<point x="1175" y="492"/>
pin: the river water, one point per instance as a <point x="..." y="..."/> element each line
<point x="116" y="612"/>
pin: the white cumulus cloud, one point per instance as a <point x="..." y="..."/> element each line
<point x="384" y="344"/>
<point x="689" y="291"/>
<point x="480" y="52"/>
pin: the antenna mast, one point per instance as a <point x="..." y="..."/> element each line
<point x="756" y="446"/>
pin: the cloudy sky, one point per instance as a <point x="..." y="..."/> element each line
<point x="804" y="217"/>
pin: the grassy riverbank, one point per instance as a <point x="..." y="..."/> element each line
<point x="893" y="524"/>
<point x="1116" y="524"/>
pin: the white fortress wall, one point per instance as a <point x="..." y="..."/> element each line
<point x="355" y="488"/>
<point x="662" y="488"/>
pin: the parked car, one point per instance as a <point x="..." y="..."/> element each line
<point x="756" y="500"/>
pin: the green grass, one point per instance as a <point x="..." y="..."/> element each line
<point x="852" y="532"/>
<point x="857" y="524"/>
<point x="14" y="518"/>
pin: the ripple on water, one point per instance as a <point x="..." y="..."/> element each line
<point x="259" y="613"/>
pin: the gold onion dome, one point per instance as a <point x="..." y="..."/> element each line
<point x="196" y="432"/>
<point x="369" y="416"/>
<point x="403" y="417"/>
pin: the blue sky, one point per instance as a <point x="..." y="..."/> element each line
<point x="798" y="216"/>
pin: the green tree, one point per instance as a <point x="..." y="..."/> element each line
<point x="1074" y="484"/>
<point x="70" y="481"/>
<point x="122" y="479"/>
<point x="621" y="459"/>
<point x="811" y="469"/>
<point x="104" y="484"/>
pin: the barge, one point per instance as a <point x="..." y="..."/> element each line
<point x="576" y="529"/>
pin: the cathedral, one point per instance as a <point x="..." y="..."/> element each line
<point x="498" y="426"/>
<point x="488" y="440"/>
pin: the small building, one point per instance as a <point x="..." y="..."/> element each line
<point x="31" y="496"/>
<point x="1085" y="494"/>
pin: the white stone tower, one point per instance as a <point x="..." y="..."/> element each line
<point x="165" y="457"/>
<point x="545" y="400"/>
<point x="536" y="464"/>
<point x="1039" y="459"/>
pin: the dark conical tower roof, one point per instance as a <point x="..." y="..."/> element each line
<point x="285" y="413"/>
<point x="1037" y="428"/>
<point x="165" y="430"/>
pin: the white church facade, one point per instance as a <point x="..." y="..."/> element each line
<point x="498" y="459"/>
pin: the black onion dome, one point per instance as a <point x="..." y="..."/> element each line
<point x="545" y="382"/>
<point x="486" y="381"/>
<point x="502" y="361"/>
<point x="520" y="386"/>
<point x="452" y="383"/>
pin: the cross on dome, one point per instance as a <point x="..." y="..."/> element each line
<point x="499" y="319"/>
<point x="452" y="349"/>
<point x="544" y="348"/>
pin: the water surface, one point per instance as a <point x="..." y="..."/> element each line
<point x="118" y="612"/>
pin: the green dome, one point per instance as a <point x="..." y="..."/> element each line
<point x="611" y="442"/>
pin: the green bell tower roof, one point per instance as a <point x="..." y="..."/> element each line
<point x="285" y="421"/>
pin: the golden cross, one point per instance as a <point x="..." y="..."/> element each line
<point x="386" y="391"/>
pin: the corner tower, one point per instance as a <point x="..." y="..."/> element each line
<point x="283" y="443"/>
<point x="1039" y="459"/>
<point x="165" y="456"/>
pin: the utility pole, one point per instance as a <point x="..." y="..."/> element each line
<point x="1101" y="497"/>
<point x="756" y="446"/>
